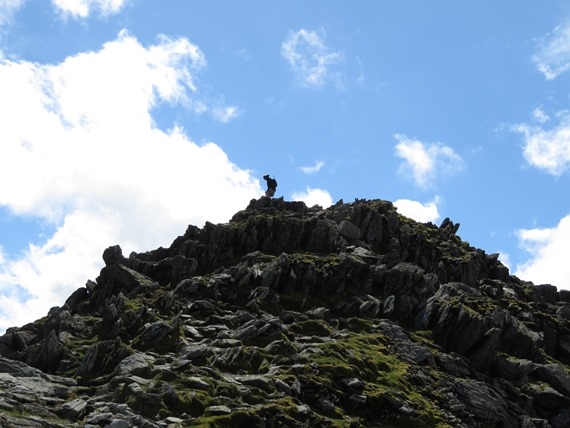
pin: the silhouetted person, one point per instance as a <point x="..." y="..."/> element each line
<point x="271" y="186"/>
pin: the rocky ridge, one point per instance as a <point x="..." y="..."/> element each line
<point x="290" y="316"/>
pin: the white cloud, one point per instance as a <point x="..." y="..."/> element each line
<point x="549" y="248"/>
<point x="7" y="10"/>
<point x="312" y="169"/>
<point x="83" y="8"/>
<point x="552" y="57"/>
<point x="426" y="162"/>
<point x="416" y="210"/>
<point x="225" y="114"/>
<point x="314" y="197"/>
<point x="547" y="149"/>
<point x="539" y="115"/>
<point x="81" y="151"/>
<point x="310" y="59"/>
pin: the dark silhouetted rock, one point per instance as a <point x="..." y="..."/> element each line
<point x="296" y="316"/>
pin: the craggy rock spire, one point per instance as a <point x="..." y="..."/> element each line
<point x="297" y="316"/>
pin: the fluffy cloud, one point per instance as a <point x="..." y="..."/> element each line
<point x="313" y="197"/>
<point x="547" y="149"/>
<point x="549" y="248"/>
<point x="426" y="162"/>
<point x="310" y="59"/>
<point x="416" y="210"/>
<point x="552" y="57"/>
<point x="81" y="152"/>
<point x="83" y="8"/>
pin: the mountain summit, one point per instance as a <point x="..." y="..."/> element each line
<point x="296" y="316"/>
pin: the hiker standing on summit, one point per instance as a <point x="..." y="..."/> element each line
<point x="271" y="185"/>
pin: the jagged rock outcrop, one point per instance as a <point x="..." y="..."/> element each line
<point x="294" y="316"/>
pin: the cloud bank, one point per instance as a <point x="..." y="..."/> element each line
<point x="81" y="152"/>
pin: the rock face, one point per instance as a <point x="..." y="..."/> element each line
<point x="289" y="316"/>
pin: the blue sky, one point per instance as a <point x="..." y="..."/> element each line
<point x="124" y="121"/>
